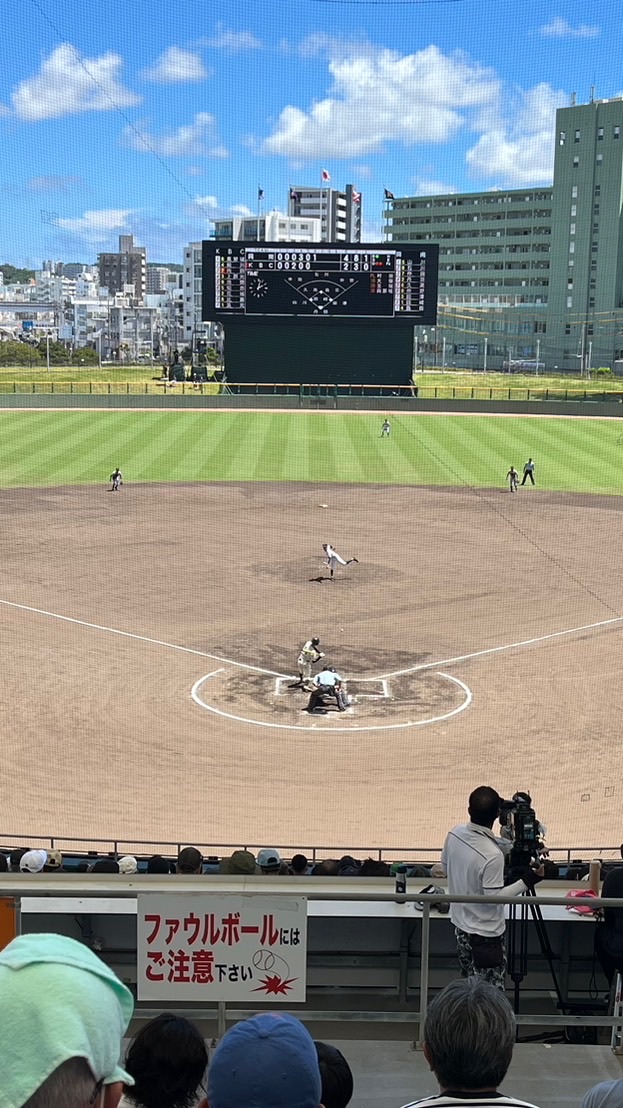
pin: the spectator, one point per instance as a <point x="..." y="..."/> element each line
<point x="269" y="861"/>
<point x="4" y="864"/>
<point x="469" y="1033"/>
<point x="299" y="865"/>
<point x="329" y="868"/>
<point x="336" y="1076"/>
<point x="33" y="861"/>
<point x="128" y="865"/>
<point x="105" y="865"/>
<point x="158" y="864"/>
<point x="474" y="862"/>
<point x="167" y="1059"/>
<point x="64" y="1014"/>
<point x="609" y="933"/>
<point x="54" y="862"/>
<point x="241" y="863"/>
<point x="372" y="868"/>
<point x="190" y="860"/>
<point x="608" y="1094"/>
<point x="438" y="870"/>
<point x="349" y="867"/>
<point x="15" y="858"/>
<point x="268" y="1061"/>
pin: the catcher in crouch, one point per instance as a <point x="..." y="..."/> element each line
<point x="334" y="559"/>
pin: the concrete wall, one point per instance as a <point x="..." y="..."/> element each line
<point x="323" y="403"/>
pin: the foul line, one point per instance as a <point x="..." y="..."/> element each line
<point x="273" y="673"/>
<point x="141" y="638"/>
<point x="496" y="649"/>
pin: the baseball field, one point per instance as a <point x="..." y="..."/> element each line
<point x="149" y="635"/>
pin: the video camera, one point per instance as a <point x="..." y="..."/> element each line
<point x="522" y="829"/>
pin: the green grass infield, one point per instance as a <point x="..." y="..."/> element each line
<point x="47" y="448"/>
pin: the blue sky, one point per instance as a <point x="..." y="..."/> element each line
<point x="153" y="117"/>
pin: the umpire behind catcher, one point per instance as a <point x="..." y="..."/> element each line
<point x="474" y="862"/>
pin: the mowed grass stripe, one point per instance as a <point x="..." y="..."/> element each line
<point x="55" y="454"/>
<point x="53" y="448"/>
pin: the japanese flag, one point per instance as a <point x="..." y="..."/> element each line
<point x="326" y="176"/>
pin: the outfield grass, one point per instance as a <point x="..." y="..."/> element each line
<point x="67" y="448"/>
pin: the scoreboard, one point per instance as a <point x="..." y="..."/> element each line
<point x="318" y="282"/>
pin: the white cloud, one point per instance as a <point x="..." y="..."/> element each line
<point x="96" y="227"/>
<point x="68" y="83"/>
<point x="380" y="96"/>
<point x="54" y="183"/>
<point x="195" y="170"/>
<point x="559" y="28"/>
<point x="233" y="41"/>
<point x="176" y="64"/>
<point x="519" y="150"/>
<point x="241" y="209"/>
<point x="429" y="187"/>
<point x="190" y="140"/>
<point x="363" y="171"/>
<point x="206" y="202"/>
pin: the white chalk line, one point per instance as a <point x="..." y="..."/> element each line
<point x="272" y="673"/>
<point x="140" y="638"/>
<point x="494" y="649"/>
<point x="314" y="727"/>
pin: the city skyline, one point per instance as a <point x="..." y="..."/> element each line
<point x="135" y="121"/>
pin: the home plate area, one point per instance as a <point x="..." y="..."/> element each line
<point x="375" y="703"/>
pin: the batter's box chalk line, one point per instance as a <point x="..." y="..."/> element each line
<point x="196" y="695"/>
<point x="282" y="686"/>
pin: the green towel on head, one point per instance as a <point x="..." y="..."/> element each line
<point x="58" y="1001"/>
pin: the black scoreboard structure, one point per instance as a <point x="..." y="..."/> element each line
<point x="319" y="313"/>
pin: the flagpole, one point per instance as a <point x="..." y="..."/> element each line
<point x="259" y="201"/>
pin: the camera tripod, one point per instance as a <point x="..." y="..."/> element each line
<point x="518" y="947"/>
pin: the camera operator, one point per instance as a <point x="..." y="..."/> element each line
<point x="474" y="861"/>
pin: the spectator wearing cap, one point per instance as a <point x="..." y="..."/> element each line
<point x="336" y="1076"/>
<point x="33" y="861"/>
<point x="64" y="1014"/>
<point x="128" y="865"/>
<point x="158" y="864"/>
<point x="270" y="863"/>
<point x="105" y="865"/>
<point x="349" y="867"/>
<point x="469" y="1034"/>
<point x="167" y="1059"/>
<point x="269" y="1061"/>
<point x="189" y="861"/>
<point x="54" y="862"/>
<point x="371" y="867"/>
<point x="239" y="864"/>
<point x="608" y="1094"/>
<point x="298" y="865"/>
<point x="15" y="858"/>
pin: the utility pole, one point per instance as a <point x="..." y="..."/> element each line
<point x="538" y="354"/>
<point x="590" y="358"/>
<point x="484" y="359"/>
<point x="583" y="350"/>
<point x="415" y="352"/>
<point x="443" y="354"/>
<point x="47" y="350"/>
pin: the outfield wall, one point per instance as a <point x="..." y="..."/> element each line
<point x="313" y="403"/>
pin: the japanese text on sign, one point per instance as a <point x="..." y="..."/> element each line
<point x="212" y="947"/>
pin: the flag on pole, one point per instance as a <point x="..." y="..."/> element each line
<point x="356" y="197"/>
<point x="388" y="195"/>
<point x="294" y="195"/>
<point x="260" y="193"/>
<point x="325" y="175"/>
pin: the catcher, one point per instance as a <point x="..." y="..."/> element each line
<point x="309" y="655"/>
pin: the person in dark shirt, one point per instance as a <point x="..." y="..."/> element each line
<point x="609" y="933"/>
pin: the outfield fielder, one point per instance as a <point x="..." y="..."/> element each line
<point x="385" y="429"/>
<point x="334" y="559"/>
<point x="116" y="479"/>
<point x="513" y="479"/>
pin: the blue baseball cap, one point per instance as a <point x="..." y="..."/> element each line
<point x="268" y="1061"/>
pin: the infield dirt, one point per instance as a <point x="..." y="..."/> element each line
<point x="104" y="739"/>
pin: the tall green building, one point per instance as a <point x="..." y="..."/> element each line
<point x="533" y="275"/>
